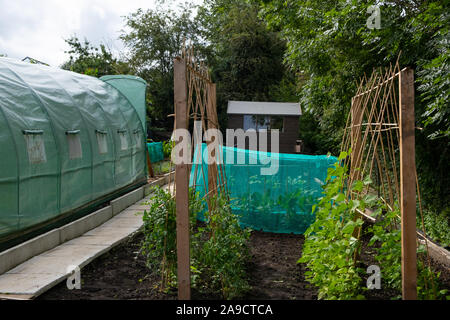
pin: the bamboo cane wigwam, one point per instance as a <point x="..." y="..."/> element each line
<point x="202" y="107"/>
<point x="373" y="134"/>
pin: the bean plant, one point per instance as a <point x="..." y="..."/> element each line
<point x="331" y="250"/>
<point x="167" y="148"/>
<point x="219" y="247"/>
<point x="330" y="246"/>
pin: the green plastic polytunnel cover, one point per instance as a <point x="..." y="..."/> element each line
<point x="66" y="140"/>
<point x="133" y="88"/>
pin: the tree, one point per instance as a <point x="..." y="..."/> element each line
<point x="91" y="60"/>
<point x="246" y="58"/>
<point x="329" y="43"/>
<point x="154" y="40"/>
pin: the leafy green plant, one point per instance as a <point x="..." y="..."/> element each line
<point x="221" y="260"/>
<point x="159" y="245"/>
<point x="219" y="250"/>
<point x="330" y="246"/>
<point x="387" y="233"/>
<point x="437" y="226"/>
<point x="167" y="148"/>
<point x="331" y="251"/>
<point x="162" y="167"/>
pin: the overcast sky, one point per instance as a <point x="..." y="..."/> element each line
<point x="37" y="28"/>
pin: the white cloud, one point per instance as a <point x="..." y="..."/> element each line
<point x="38" y="28"/>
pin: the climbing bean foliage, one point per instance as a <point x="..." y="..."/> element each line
<point x="331" y="250"/>
<point x="330" y="246"/>
<point x="386" y="238"/>
<point x="219" y="247"/>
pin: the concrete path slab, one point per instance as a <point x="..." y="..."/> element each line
<point x="40" y="273"/>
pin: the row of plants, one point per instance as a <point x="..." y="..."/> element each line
<point x="437" y="226"/>
<point x="333" y="243"/>
<point x="219" y="247"/>
<point x="290" y="211"/>
<point x="274" y="204"/>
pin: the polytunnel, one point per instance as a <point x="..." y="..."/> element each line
<point x="67" y="142"/>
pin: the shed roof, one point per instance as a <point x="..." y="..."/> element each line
<point x="266" y="108"/>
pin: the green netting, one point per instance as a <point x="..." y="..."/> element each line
<point x="155" y="149"/>
<point x="280" y="203"/>
<point x="66" y="139"/>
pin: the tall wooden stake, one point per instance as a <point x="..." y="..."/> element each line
<point x="149" y="165"/>
<point x="408" y="185"/>
<point x="212" y="124"/>
<point x="182" y="185"/>
<point x="356" y="156"/>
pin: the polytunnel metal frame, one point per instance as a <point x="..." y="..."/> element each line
<point x="55" y="104"/>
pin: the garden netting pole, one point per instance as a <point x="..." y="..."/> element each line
<point x="182" y="184"/>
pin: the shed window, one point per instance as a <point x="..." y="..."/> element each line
<point x="73" y="140"/>
<point x="263" y="122"/>
<point x="102" y="141"/>
<point x="123" y="139"/>
<point x="277" y="122"/>
<point x="35" y="146"/>
<point x="250" y="122"/>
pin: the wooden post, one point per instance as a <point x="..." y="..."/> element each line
<point x="182" y="185"/>
<point x="356" y="155"/>
<point x="149" y="164"/>
<point x="408" y="185"/>
<point x="212" y="124"/>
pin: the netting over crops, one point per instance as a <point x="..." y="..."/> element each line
<point x="280" y="202"/>
<point x="155" y="150"/>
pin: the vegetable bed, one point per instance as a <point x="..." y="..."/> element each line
<point x="273" y="273"/>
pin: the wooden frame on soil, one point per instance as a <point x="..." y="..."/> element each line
<point x="383" y="113"/>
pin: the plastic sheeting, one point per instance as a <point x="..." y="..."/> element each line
<point x="133" y="88"/>
<point x="280" y="202"/>
<point x="66" y="139"/>
<point x="155" y="150"/>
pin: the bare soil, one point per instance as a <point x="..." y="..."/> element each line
<point x="273" y="273"/>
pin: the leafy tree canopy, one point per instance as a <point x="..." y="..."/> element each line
<point x="246" y="58"/>
<point x="329" y="43"/>
<point x="90" y="60"/>
<point x="154" y="39"/>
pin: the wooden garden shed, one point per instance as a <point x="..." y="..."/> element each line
<point x="265" y="116"/>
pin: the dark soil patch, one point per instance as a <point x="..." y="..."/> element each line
<point x="122" y="274"/>
<point x="273" y="273"/>
<point x="273" y="270"/>
<point x="119" y="274"/>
